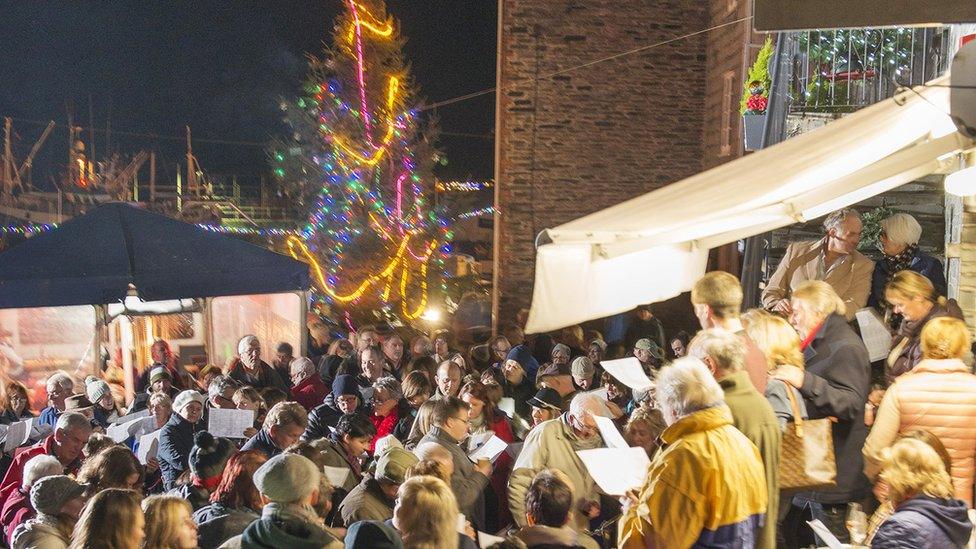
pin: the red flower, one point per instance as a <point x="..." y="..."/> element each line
<point x="757" y="103"/>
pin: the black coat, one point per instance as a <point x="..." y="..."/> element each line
<point x="175" y="443"/>
<point x="262" y="442"/>
<point x="836" y="384"/>
<point x="322" y="417"/>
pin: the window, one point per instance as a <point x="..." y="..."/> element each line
<point x="725" y="139"/>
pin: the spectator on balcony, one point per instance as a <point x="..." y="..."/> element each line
<point x="833" y="259"/>
<point x="899" y="237"/>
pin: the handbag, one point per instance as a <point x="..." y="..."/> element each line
<point x="807" y="453"/>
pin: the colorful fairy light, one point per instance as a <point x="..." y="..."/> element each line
<point x="354" y="174"/>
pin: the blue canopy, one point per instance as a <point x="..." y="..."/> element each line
<point x="92" y="259"/>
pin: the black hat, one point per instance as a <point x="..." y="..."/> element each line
<point x="547" y="398"/>
<point x="209" y="455"/>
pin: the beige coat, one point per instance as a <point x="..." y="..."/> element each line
<point x="550" y="446"/>
<point x="850" y="276"/>
<point x="938" y="396"/>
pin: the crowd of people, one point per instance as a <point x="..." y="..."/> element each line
<point x="365" y="441"/>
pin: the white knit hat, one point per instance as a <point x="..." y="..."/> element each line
<point x="96" y="388"/>
<point x="186" y="397"/>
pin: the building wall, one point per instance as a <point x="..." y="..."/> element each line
<point x="586" y="139"/>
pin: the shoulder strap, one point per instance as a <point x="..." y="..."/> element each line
<point x="797" y="417"/>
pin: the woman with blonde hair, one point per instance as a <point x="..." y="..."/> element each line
<point x="780" y="344"/>
<point x="426" y="514"/>
<point x="169" y="524"/>
<point x="926" y="515"/>
<point x="938" y="395"/>
<point x="643" y="429"/>
<point x="912" y="296"/>
<point x="111" y="520"/>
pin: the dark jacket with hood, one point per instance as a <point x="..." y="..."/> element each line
<point x="262" y="442"/>
<point x="324" y="416"/>
<point x="217" y="522"/>
<point x="925" y="523"/>
<point x="836" y="382"/>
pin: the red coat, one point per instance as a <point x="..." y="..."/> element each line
<point x="502" y="468"/>
<point x="310" y="392"/>
<point x="15" y="474"/>
<point x="16" y="509"/>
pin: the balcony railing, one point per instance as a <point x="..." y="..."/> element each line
<point x="839" y="71"/>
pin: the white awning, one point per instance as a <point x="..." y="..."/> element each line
<point x="655" y="246"/>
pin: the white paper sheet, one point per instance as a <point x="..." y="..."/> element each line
<point x="824" y="534"/>
<point x="875" y="334"/>
<point x="611" y="435"/>
<point x="462" y="523"/>
<point x="148" y="447"/>
<point x="507" y="405"/>
<point x="489" y="450"/>
<point x="38" y="430"/>
<point x="616" y="470"/>
<point x="17" y="435"/>
<point x="486" y="540"/>
<point x="477" y="440"/>
<point x="137" y="427"/>
<point x="229" y="423"/>
<point x="629" y="372"/>
<point x="134" y="415"/>
<point x="338" y="476"/>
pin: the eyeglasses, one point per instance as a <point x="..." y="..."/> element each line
<point x="465" y="421"/>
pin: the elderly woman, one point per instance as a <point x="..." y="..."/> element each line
<point x="912" y="296"/>
<point x="834" y="383"/>
<point x="938" y="395"/>
<point x="899" y="245"/>
<point x="391" y="413"/>
<point x="926" y="515"/>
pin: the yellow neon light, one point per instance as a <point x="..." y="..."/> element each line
<point x="391" y="94"/>
<point x="423" y="286"/>
<point x="384" y="30"/>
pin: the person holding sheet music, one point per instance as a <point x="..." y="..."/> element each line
<point x="343" y="451"/>
<point x="345" y="398"/>
<point x="70" y="434"/>
<point x="14" y="403"/>
<point x="485" y="418"/>
<point x="176" y="437"/>
<point x="553" y="445"/>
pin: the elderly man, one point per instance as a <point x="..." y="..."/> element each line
<point x="283" y="426"/>
<point x="307" y="388"/>
<point x="70" y="435"/>
<point x="220" y="392"/>
<point x="450" y="429"/>
<point x="372" y="366"/>
<point x="249" y="369"/>
<point x="585" y="375"/>
<point x="59" y="387"/>
<point x="724" y="354"/>
<point x="834" y="384"/>
<point x="448" y="380"/>
<point x="717" y="300"/>
<point x="833" y="259"/>
<point x="706" y="487"/>
<point x="553" y="445"/>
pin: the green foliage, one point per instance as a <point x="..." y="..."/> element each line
<point x="871" y="231"/>
<point x="759" y="72"/>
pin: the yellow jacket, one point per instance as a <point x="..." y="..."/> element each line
<point x="705" y="488"/>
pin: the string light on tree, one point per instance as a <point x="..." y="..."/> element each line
<point x="360" y="159"/>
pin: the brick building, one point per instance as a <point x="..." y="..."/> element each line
<point x="572" y="140"/>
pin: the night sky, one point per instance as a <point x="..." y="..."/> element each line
<point x="221" y="66"/>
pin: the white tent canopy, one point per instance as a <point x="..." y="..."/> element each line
<point x="655" y="246"/>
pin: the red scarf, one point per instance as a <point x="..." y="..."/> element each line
<point x="209" y="484"/>
<point x="811" y="336"/>
<point x="384" y="426"/>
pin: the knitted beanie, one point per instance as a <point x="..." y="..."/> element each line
<point x="209" y="455"/>
<point x="49" y="494"/>
<point x="287" y="478"/>
<point x="186" y="397"/>
<point x="159" y="373"/>
<point x="345" y="384"/>
<point x="96" y="388"/>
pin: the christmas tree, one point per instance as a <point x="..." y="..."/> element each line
<point x="360" y="159"/>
